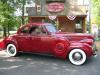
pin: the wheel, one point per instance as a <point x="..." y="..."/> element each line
<point x="77" y="57"/>
<point x="11" y="50"/>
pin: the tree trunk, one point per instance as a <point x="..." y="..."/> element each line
<point x="23" y="11"/>
<point x="8" y="31"/>
<point x="4" y="32"/>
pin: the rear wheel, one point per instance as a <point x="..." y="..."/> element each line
<point x="11" y="50"/>
<point x="77" y="57"/>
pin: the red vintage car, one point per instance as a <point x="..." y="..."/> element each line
<point x="44" y="38"/>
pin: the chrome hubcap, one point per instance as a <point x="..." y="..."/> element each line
<point x="77" y="56"/>
<point x="11" y="50"/>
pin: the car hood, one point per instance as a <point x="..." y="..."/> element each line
<point x="75" y="36"/>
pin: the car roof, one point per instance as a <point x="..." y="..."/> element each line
<point x="38" y="24"/>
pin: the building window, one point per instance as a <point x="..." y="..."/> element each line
<point x="78" y="24"/>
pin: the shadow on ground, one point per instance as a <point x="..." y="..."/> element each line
<point x="28" y="64"/>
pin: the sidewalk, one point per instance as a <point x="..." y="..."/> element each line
<point x="98" y="45"/>
<point x="3" y="54"/>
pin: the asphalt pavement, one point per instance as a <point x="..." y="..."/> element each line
<point x="33" y="64"/>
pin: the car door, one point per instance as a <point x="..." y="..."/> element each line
<point x="23" y="39"/>
<point x="42" y="42"/>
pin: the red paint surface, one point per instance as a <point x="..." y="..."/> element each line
<point x="58" y="44"/>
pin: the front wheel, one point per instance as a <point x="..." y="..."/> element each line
<point x="11" y="50"/>
<point x="77" y="57"/>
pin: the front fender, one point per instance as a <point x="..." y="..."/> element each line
<point x="88" y="41"/>
<point x="84" y="46"/>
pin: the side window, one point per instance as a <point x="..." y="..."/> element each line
<point x="32" y="29"/>
<point x="25" y="30"/>
<point x="37" y="30"/>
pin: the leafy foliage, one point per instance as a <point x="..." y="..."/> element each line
<point x="6" y="16"/>
<point x="96" y="11"/>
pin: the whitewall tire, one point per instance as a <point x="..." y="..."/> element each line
<point x="11" y="50"/>
<point x="77" y="56"/>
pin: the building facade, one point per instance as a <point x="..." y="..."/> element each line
<point x="67" y="15"/>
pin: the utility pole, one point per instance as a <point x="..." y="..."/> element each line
<point x="89" y="16"/>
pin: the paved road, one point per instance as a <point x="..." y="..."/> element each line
<point x="30" y="64"/>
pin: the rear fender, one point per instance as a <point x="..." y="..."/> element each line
<point x="11" y="41"/>
<point x="2" y="44"/>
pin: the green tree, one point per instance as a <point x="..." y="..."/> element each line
<point x="6" y="17"/>
<point x="19" y="4"/>
<point x="96" y="11"/>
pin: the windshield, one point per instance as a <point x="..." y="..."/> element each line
<point x="51" y="28"/>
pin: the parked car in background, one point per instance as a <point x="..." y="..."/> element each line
<point x="44" y="38"/>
